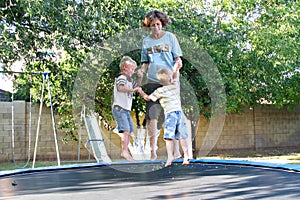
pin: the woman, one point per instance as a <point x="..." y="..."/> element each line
<point x="160" y="50"/>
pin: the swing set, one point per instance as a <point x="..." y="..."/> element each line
<point x="46" y="79"/>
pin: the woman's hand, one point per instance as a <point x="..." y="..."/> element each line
<point x="140" y="73"/>
<point x="178" y="64"/>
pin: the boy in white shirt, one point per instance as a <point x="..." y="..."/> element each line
<point x="175" y="125"/>
<point x="124" y="87"/>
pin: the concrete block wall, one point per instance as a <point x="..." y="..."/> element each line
<point x="46" y="149"/>
<point x="259" y="128"/>
<point x="262" y="127"/>
<point x="277" y="127"/>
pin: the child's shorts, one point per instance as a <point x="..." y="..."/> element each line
<point x="175" y="126"/>
<point x="123" y="119"/>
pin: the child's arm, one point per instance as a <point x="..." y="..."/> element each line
<point x="177" y="66"/>
<point x="144" y="95"/>
<point x="123" y="88"/>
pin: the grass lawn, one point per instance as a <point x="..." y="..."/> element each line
<point x="277" y="156"/>
<point x="20" y="165"/>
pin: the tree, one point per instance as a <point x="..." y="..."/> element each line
<point x="31" y="28"/>
<point x="253" y="44"/>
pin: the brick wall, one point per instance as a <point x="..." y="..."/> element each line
<point x="258" y="128"/>
<point x="263" y="127"/>
<point x="46" y="143"/>
<point x="46" y="149"/>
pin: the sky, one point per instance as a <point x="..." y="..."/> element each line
<point x="6" y="81"/>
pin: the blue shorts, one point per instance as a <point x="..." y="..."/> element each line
<point x="123" y="119"/>
<point x="175" y="126"/>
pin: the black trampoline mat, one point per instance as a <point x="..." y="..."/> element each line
<point x="196" y="181"/>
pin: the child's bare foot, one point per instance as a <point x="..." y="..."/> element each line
<point x="186" y="161"/>
<point x="153" y="155"/>
<point x="127" y="156"/>
<point x="169" y="162"/>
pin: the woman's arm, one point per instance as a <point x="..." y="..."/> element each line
<point x="178" y="63"/>
<point x="141" y="72"/>
<point x="177" y="67"/>
<point x="144" y="67"/>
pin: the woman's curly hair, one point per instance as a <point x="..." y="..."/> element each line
<point x="155" y="14"/>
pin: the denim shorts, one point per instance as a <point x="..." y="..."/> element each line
<point x="123" y="119"/>
<point x="175" y="126"/>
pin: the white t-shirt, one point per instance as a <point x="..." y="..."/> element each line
<point x="123" y="99"/>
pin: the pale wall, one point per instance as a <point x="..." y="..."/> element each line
<point x="259" y="128"/>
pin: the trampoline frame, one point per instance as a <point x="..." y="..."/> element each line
<point x="287" y="167"/>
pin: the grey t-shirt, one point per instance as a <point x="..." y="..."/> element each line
<point x="123" y="99"/>
<point x="160" y="53"/>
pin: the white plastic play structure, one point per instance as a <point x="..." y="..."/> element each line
<point x="139" y="148"/>
<point x="95" y="143"/>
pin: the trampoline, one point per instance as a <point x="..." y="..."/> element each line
<point x="202" y="179"/>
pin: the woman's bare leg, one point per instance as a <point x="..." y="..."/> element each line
<point x="151" y="129"/>
<point x="176" y="149"/>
